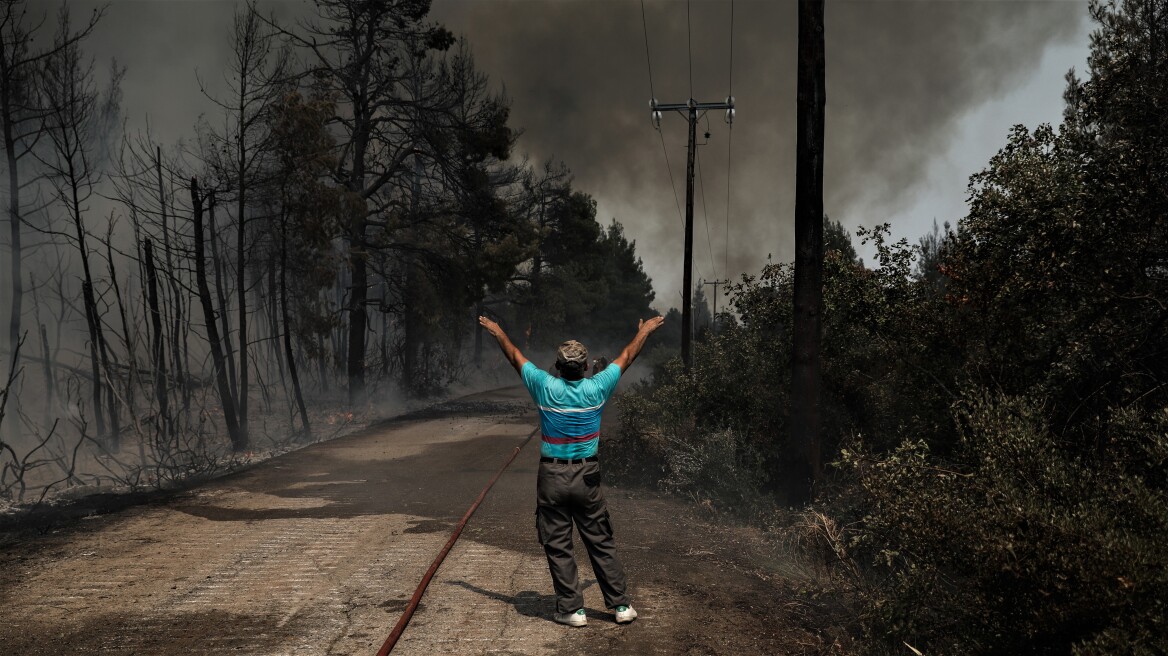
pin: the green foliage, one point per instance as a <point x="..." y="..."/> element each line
<point x="836" y="239"/>
<point x="931" y="248"/>
<point x="587" y="282"/>
<point x="1035" y="523"/>
<point x="1048" y="271"/>
<point x="1018" y="545"/>
<point x="308" y="210"/>
<point x="701" y="434"/>
<point x="887" y="350"/>
<point x="660" y="440"/>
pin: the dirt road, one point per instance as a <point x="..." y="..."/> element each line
<point x="319" y="550"/>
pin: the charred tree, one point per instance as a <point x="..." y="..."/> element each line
<point x="237" y="155"/>
<point x="128" y="339"/>
<point x="176" y="350"/>
<point x="46" y="355"/>
<point x="225" y="325"/>
<point x="272" y="304"/>
<point x="14" y="79"/>
<point x="287" y="326"/>
<point x="225" y="396"/>
<point x="158" y="348"/>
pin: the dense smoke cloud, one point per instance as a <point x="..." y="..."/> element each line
<point x="900" y="76"/>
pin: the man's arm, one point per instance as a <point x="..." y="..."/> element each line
<point x="509" y="350"/>
<point x="630" y="352"/>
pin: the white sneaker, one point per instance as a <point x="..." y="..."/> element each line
<point x="625" y="614"/>
<point x="579" y="618"/>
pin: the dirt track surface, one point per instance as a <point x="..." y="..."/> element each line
<point x="318" y="552"/>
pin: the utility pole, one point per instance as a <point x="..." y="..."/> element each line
<point x="693" y="110"/>
<point x="806" y="377"/>
<point x="715" y="283"/>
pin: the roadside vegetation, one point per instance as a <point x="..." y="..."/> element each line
<point x="995" y="403"/>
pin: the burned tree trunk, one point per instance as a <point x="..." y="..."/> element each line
<point x="99" y="357"/>
<point x="217" y="358"/>
<point x="46" y="354"/>
<point x="241" y="293"/>
<point x="224" y="324"/>
<point x="287" y="329"/>
<point x="175" y="292"/>
<point x="478" y="344"/>
<point x="533" y="307"/>
<point x="272" y="303"/>
<point x="10" y="92"/>
<point x="128" y="340"/>
<point x="158" y="348"/>
<point x="15" y="250"/>
<point x="91" y="324"/>
<point x="358" y="314"/>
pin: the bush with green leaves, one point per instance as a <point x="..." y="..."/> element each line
<point x="1016" y="544"/>
<point x="696" y="439"/>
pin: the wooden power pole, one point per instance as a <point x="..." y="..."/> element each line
<point x="806" y="375"/>
<point x="693" y="110"/>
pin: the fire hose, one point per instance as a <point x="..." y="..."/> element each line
<point x="413" y="605"/>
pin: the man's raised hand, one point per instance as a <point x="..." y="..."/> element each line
<point x="490" y="326"/>
<point x="509" y="351"/>
<point x="649" y="326"/>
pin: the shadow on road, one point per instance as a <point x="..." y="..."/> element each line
<point x="528" y="602"/>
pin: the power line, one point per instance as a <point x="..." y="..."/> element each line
<point x="689" y="46"/>
<point x="729" y="143"/>
<point x="664" y="151"/>
<point x="731" y="44"/>
<point x="648" y="62"/>
<point x="669" y="169"/>
<point x="726" y="241"/>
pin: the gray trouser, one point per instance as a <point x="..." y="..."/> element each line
<point x="567" y="493"/>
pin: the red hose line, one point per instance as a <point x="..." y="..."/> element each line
<point x="409" y="612"/>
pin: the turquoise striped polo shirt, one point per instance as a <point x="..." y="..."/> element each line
<point x="569" y="410"/>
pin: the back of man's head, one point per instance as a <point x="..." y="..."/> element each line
<point x="572" y="358"/>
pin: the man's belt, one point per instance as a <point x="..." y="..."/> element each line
<point x="568" y="461"/>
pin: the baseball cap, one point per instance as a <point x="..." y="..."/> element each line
<point x="572" y="351"/>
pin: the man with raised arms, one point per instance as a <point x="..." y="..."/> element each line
<point x="568" y="486"/>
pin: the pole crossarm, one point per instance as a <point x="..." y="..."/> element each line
<point x="685" y="107"/>
<point x="690" y="108"/>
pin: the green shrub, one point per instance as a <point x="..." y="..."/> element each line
<point x="1018" y="546"/>
<point x="662" y="444"/>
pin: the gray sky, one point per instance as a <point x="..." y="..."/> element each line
<point x="920" y="95"/>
